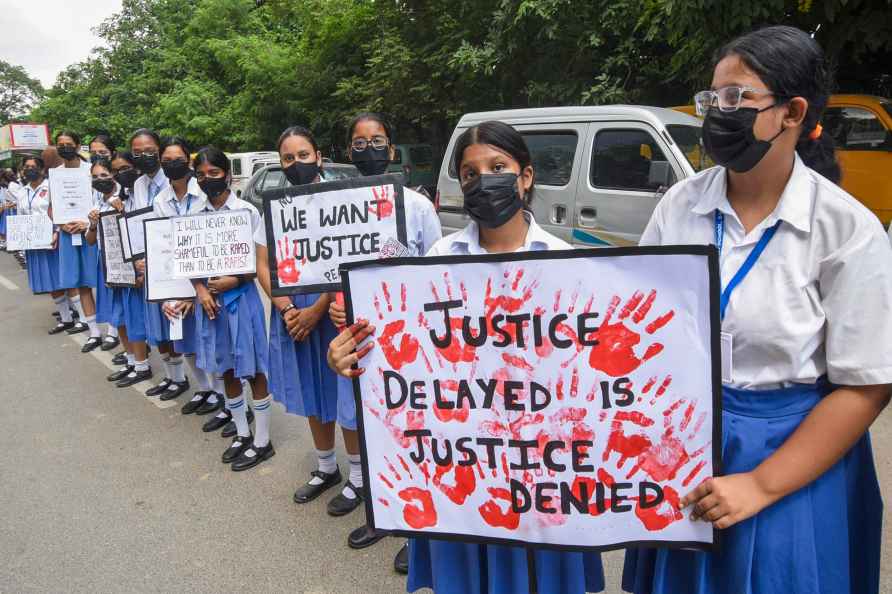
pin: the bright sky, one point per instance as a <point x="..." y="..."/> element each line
<point x="45" y="36"/>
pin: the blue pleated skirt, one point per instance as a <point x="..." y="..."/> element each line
<point x="189" y="344"/>
<point x="105" y="300"/>
<point x="43" y="270"/>
<point x="77" y="264"/>
<point x="134" y="314"/>
<point x="157" y="324"/>
<point x="234" y="340"/>
<point x="3" y="215"/>
<point x="299" y="375"/>
<point x="823" y="539"/>
<point x="464" y="568"/>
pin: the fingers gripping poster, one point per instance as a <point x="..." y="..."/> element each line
<point x="565" y="399"/>
<point x="312" y="230"/>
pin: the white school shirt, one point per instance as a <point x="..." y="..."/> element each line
<point x="422" y="224"/>
<point x="467" y="241"/>
<point x="234" y="203"/>
<point x="140" y="194"/>
<point x="33" y="200"/>
<point x="168" y="205"/>
<point x="817" y="300"/>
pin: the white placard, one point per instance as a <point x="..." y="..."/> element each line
<point x="210" y="244"/>
<point x="160" y="282"/>
<point x="118" y="273"/>
<point x="507" y="400"/>
<point x="71" y="195"/>
<point x="125" y="239"/>
<point x="136" y="241"/>
<point x="29" y="232"/>
<point x="312" y="230"/>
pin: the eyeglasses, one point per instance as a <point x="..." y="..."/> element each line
<point x="377" y="142"/>
<point x="727" y="99"/>
<point x="145" y="154"/>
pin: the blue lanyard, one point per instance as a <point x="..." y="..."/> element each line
<point x="176" y="204"/>
<point x="31" y="197"/>
<point x="747" y="264"/>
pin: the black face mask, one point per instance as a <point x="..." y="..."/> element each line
<point x="728" y="138"/>
<point x="213" y="186"/>
<point x="371" y="161"/>
<point x="299" y="174"/>
<point x="127" y="177"/>
<point x="95" y="158"/>
<point x="67" y="152"/>
<point x="174" y="170"/>
<point x="492" y="199"/>
<point x="147" y="164"/>
<point x="104" y="185"/>
<point x="31" y="174"/>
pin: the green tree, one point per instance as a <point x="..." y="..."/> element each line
<point x="18" y="92"/>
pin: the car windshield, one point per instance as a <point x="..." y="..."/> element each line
<point x="888" y="107"/>
<point x="690" y="140"/>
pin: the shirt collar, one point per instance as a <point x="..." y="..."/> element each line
<point x="794" y="207"/>
<point x="536" y="239"/>
<point x="228" y="205"/>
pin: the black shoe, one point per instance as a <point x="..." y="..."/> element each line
<point x="401" y="561"/>
<point x="91" y="345"/>
<point x="308" y="492"/>
<point x="207" y="408"/>
<point x="60" y="327"/>
<point x="253" y="456"/>
<point x="239" y="445"/>
<point x="230" y="430"/>
<point x="120" y="359"/>
<point x="364" y="537"/>
<point x="135" y="377"/>
<point x="191" y="406"/>
<point x="77" y="328"/>
<point x="341" y="505"/>
<point x="57" y="315"/>
<point x="110" y="342"/>
<point x="174" y="390"/>
<point x="120" y="374"/>
<point x="216" y="422"/>
<point x="155" y="390"/>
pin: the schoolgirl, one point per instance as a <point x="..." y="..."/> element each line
<point x="806" y="287"/>
<point x="496" y="173"/>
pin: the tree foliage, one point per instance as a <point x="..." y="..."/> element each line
<point x="18" y="91"/>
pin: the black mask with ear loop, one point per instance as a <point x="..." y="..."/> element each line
<point x="729" y="140"/>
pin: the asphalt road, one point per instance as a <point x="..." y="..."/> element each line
<point x="107" y="490"/>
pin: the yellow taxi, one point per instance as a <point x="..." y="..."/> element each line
<point x="861" y="126"/>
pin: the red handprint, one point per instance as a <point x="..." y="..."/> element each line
<point x="419" y="511"/>
<point x="615" y="352"/>
<point x="659" y="516"/>
<point x="458" y="414"/>
<point x="286" y="267"/>
<point x="464" y="482"/>
<point x="493" y="514"/>
<point x="398" y="351"/>
<point x="383" y="206"/>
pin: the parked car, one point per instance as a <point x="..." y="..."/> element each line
<point x="600" y="171"/>
<point x="269" y="177"/>
<point x="416" y="162"/>
<point x="861" y="125"/>
<point x="245" y="165"/>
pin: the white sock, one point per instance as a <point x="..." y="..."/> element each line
<point x="94" y="327"/>
<point x="165" y="360"/>
<point x="236" y="408"/>
<point x="78" y="307"/>
<point x="198" y="374"/>
<point x="63" y="309"/>
<point x="355" y="476"/>
<point x="142" y="365"/>
<point x="131" y="360"/>
<point x="219" y="386"/>
<point x="177" y="372"/>
<point x="111" y="331"/>
<point x="328" y="463"/>
<point x="262" y="410"/>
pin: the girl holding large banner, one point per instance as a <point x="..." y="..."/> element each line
<point x="806" y="292"/>
<point x="497" y="178"/>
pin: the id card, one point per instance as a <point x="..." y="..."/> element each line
<point x="727" y="357"/>
<point x="77" y="239"/>
<point x="176" y="328"/>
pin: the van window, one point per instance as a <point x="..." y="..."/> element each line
<point x="856" y="129"/>
<point x="258" y="166"/>
<point x="552" y="154"/>
<point x="274" y="178"/>
<point x="236" y="166"/>
<point x="689" y="140"/>
<point x="621" y="160"/>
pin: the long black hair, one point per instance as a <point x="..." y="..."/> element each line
<point x="792" y="64"/>
<point x="145" y="132"/>
<point x="297" y="131"/>
<point x="370" y="116"/>
<point x="104" y="138"/>
<point x="72" y="135"/>
<point x="37" y="160"/>
<point x="503" y="137"/>
<point x="175" y="141"/>
<point x="212" y="155"/>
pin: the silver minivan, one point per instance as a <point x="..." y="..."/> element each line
<point x="600" y="171"/>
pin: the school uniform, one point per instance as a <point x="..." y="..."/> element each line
<point x="77" y="263"/>
<point x="43" y="265"/>
<point x="811" y="314"/>
<point x="236" y="338"/>
<point x="7" y="195"/>
<point x="109" y="300"/>
<point x="449" y="567"/>
<point x="134" y="298"/>
<point x="299" y="374"/>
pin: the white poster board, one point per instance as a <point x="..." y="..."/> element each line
<point x="210" y="244"/>
<point x="29" y="232"/>
<point x="135" y="247"/>
<point x="312" y="230"/>
<point x="71" y="195"/>
<point x="118" y="273"/>
<point x="509" y="401"/>
<point x="160" y="282"/>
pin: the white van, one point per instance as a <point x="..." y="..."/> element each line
<point x="600" y="171"/>
<point x="244" y="165"/>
